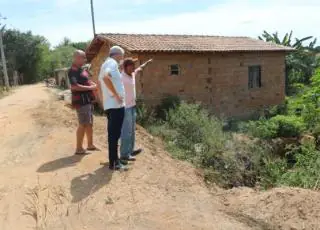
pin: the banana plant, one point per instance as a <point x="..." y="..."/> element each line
<point x="302" y="62"/>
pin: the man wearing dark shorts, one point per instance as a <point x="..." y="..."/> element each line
<point x="82" y="98"/>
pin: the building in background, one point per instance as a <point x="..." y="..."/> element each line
<point x="232" y="76"/>
<point x="61" y="78"/>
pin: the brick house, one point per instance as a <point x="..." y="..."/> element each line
<point x="233" y="76"/>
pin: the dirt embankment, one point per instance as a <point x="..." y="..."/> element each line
<point x="42" y="184"/>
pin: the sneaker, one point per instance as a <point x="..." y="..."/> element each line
<point x="129" y="158"/>
<point x="123" y="161"/>
<point x="136" y="152"/>
<point x="119" y="167"/>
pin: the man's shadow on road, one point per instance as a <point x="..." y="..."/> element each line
<point x="82" y="186"/>
<point x="61" y="163"/>
<point x="85" y="185"/>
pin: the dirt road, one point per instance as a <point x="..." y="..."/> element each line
<point x="44" y="186"/>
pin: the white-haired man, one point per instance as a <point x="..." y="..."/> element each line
<point x="112" y="95"/>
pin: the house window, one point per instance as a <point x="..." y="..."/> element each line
<point x="254" y="76"/>
<point x="174" y="69"/>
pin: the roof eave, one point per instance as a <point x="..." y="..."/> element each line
<point x="208" y="51"/>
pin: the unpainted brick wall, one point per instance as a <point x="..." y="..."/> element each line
<point x="220" y="80"/>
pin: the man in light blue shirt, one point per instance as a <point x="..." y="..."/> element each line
<point x="112" y="96"/>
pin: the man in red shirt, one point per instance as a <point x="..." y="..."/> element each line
<point x="82" y="98"/>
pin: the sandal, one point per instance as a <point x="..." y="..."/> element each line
<point x="80" y="152"/>
<point x="94" y="148"/>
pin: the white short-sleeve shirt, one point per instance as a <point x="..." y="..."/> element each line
<point x="111" y="67"/>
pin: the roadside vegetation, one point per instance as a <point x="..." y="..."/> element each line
<point x="4" y="91"/>
<point x="280" y="148"/>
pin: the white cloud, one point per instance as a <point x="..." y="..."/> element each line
<point x="245" y="18"/>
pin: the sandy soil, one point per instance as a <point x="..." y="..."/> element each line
<point x="44" y="186"/>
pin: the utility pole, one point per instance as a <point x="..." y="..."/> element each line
<point x="92" y="16"/>
<point x="3" y="58"/>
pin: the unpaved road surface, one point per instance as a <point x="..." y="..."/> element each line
<point x="44" y="186"/>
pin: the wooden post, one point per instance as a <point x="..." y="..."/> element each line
<point x="4" y="63"/>
<point x="15" y="78"/>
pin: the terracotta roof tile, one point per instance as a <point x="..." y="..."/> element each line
<point x="189" y="43"/>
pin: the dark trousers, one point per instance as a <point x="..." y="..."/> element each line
<point x="115" y="121"/>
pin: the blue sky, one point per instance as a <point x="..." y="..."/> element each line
<point x="56" y="19"/>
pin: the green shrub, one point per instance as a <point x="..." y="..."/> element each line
<point x="295" y="105"/>
<point x="196" y="126"/>
<point x="296" y="88"/>
<point x="306" y="171"/>
<point x="191" y="134"/>
<point x="4" y="91"/>
<point x="163" y="131"/>
<point x="311" y="115"/>
<point x="265" y="129"/>
<point x="316" y="131"/>
<point x="281" y="109"/>
<point x="288" y="126"/>
<point x="167" y="103"/>
<point x="145" y="115"/>
<point x="238" y="165"/>
<point x="271" y="171"/>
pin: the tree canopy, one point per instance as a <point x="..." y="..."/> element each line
<point x="32" y="56"/>
<point x="27" y="54"/>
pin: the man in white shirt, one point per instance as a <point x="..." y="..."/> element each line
<point x="112" y="96"/>
<point x="128" y="75"/>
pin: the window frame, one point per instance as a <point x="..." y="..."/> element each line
<point x="254" y="71"/>
<point x="172" y="69"/>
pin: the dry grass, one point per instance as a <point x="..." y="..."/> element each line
<point x="44" y="201"/>
<point x="36" y="207"/>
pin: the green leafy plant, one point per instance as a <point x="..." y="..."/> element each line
<point x="271" y="171"/>
<point x="145" y="114"/>
<point x="306" y="171"/>
<point x="168" y="102"/>
<point x="263" y="128"/>
<point x="288" y="126"/>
